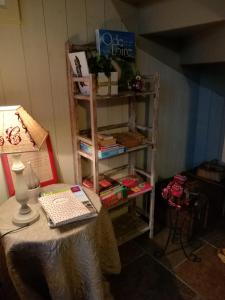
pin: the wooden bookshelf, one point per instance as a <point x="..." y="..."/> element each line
<point x="125" y="222"/>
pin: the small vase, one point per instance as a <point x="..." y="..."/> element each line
<point x="34" y="194"/>
<point x="33" y="184"/>
<point x="31" y="177"/>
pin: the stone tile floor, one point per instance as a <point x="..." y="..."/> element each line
<point x="171" y="277"/>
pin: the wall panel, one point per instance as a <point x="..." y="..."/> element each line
<point x="56" y="36"/>
<point x="33" y="67"/>
<point x="76" y="19"/>
<point x="13" y="78"/>
<point x="176" y="92"/>
<point x="12" y="66"/>
<point x="95" y="10"/>
<point x="37" y="64"/>
<point x="111" y="17"/>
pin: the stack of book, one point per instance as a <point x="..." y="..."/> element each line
<point x="66" y="206"/>
<point x="107" y="146"/>
<point x="111" y="192"/>
<point x="106" y="140"/>
<point x="135" y="186"/>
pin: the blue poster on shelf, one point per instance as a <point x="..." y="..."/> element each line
<point x="115" y="43"/>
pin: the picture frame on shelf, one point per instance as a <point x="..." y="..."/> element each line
<point x="43" y="164"/>
<point x="80" y="68"/>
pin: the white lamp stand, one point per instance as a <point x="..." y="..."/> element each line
<point x="25" y="215"/>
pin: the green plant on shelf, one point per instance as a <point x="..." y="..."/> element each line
<point x="100" y="64"/>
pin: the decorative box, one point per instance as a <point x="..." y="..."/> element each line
<point x="107" y="85"/>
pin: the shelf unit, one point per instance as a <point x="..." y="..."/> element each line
<point x="128" y="225"/>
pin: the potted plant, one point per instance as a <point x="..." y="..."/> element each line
<point x="107" y="77"/>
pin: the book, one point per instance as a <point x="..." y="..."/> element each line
<point x="113" y="196"/>
<point x="120" y="46"/>
<point x="104" y="183"/>
<point x="80" y="68"/>
<point x="105" y="143"/>
<point x="64" y="207"/>
<point x="81" y="196"/>
<point x="113" y="43"/>
<point x="109" y="147"/>
<point x="103" y="136"/>
<point x="105" y="153"/>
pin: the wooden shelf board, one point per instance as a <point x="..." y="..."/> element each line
<point x="84" y="154"/>
<point x="112" y="171"/>
<point x="127" y="227"/>
<point x="105" y="128"/>
<point x="129" y="198"/>
<point x="142" y="172"/>
<point x="119" y="96"/>
<point x="81" y="79"/>
<point x="134" y="195"/>
<point x="125" y="94"/>
<point x="82" y="97"/>
<point x="85" y="139"/>
<point x="139" y="147"/>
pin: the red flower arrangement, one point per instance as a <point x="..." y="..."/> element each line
<point x="175" y="193"/>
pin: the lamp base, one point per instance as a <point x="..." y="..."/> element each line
<point x="26" y="219"/>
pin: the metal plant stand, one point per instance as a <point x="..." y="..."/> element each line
<point x="175" y="236"/>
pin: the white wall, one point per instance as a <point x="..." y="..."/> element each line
<point x="33" y="65"/>
<point x="33" y="73"/>
<point x="156" y="16"/>
<point x="178" y="94"/>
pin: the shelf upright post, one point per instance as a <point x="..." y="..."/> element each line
<point x="132" y="155"/>
<point x="132" y="126"/>
<point x="73" y="104"/>
<point x="93" y="111"/>
<point x="153" y="153"/>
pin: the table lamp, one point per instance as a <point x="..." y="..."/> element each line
<point x="19" y="133"/>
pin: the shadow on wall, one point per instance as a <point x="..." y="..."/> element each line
<point x="205" y="122"/>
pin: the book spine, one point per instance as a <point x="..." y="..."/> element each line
<point x="114" y="146"/>
<point x="108" y="192"/>
<point x="112" y="152"/>
<point x="86" y="148"/>
<point x="105" y="153"/>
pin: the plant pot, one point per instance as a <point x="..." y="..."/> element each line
<point x="107" y="85"/>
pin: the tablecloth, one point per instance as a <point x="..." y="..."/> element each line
<point x="63" y="263"/>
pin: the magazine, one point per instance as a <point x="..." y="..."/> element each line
<point x="81" y="196"/>
<point x="115" y="43"/>
<point x="120" y="46"/>
<point x="63" y="207"/>
<point x="79" y="65"/>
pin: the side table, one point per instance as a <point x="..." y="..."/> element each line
<point x="62" y="263"/>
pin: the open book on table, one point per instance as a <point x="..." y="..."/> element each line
<point x="67" y="206"/>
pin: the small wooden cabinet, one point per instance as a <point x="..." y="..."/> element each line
<point x="130" y="224"/>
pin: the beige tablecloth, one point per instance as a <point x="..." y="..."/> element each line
<point x="63" y="263"/>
